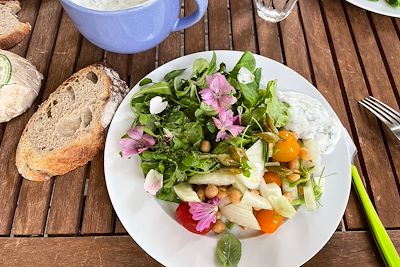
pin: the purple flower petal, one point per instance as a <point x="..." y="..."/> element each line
<point x="237" y="120"/>
<point x="136" y="133"/>
<point x="204" y="213"/>
<point x="221" y="135"/>
<point x="235" y="130"/>
<point x="128" y="147"/>
<point x="149" y="140"/>
<point x="217" y="93"/>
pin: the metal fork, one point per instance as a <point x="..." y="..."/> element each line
<point x="389" y="116"/>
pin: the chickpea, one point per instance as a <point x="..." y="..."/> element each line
<point x="211" y="191"/>
<point x="218" y="215"/>
<point x="205" y="146"/>
<point x="235" y="196"/>
<point x="222" y="188"/>
<point x="221" y="194"/>
<point x="304" y="154"/>
<point x="294" y="164"/>
<point x="201" y="194"/>
<point x="254" y="191"/>
<point x="288" y="195"/>
<point x="218" y="227"/>
<point x="294" y="177"/>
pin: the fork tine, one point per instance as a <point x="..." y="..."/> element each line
<point x="373" y="111"/>
<point x="390" y="111"/>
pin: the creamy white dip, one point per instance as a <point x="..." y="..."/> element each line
<point x="108" y="5"/>
<point x="311" y="120"/>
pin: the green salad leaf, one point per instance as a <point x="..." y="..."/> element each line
<point x="229" y="250"/>
<point x="278" y="111"/>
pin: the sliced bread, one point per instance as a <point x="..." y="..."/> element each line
<point x="12" y="30"/>
<point x="68" y="129"/>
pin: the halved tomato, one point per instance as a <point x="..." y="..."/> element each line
<point x="184" y="217"/>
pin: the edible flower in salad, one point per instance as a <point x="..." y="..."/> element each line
<point x="153" y="182"/>
<point x="217" y="95"/>
<point x="136" y="142"/>
<point x="227" y="122"/>
<point x="204" y="212"/>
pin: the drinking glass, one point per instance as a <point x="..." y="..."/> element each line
<point x="274" y="10"/>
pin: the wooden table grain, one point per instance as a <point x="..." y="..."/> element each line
<point x="346" y="52"/>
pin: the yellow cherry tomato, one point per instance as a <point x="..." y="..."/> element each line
<point x="269" y="220"/>
<point x="286" y="149"/>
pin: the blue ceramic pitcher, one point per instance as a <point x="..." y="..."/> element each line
<point x="135" y="29"/>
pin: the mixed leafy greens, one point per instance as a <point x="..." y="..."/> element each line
<point x="190" y="121"/>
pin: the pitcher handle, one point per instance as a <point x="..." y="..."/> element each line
<point x="188" y="21"/>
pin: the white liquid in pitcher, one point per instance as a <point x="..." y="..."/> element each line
<point x="108" y="5"/>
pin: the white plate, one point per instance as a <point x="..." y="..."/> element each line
<point x="380" y="7"/>
<point x="151" y="222"/>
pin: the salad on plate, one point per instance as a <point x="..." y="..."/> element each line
<point x="233" y="153"/>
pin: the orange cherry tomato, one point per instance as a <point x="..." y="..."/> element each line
<point x="269" y="220"/>
<point x="287" y="149"/>
<point x="271" y="177"/>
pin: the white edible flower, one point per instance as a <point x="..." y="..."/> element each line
<point x="153" y="182"/>
<point x="157" y="105"/>
<point x="245" y="76"/>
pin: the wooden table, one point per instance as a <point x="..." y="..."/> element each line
<point x="345" y="52"/>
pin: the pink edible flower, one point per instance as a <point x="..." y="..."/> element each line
<point x="227" y="122"/>
<point x="153" y="182"/>
<point x="217" y="93"/>
<point x="137" y="142"/>
<point x="205" y="213"/>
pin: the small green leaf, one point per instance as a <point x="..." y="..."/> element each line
<point x="173" y="74"/>
<point x="247" y="60"/>
<point x="161" y="88"/>
<point x="229" y="250"/>
<point x="145" y="81"/>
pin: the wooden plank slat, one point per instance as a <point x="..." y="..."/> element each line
<point x="372" y="147"/>
<point x="141" y="64"/>
<point x="169" y="49"/>
<point x="269" y="44"/>
<point x="28" y="13"/>
<point x="389" y="41"/>
<point x="294" y="44"/>
<point x="89" y="54"/>
<point x="243" y="32"/>
<point x="119" y="228"/>
<point x="66" y="203"/>
<point x="194" y="36"/>
<point x="29" y="210"/>
<point x="345" y="249"/>
<point x="218" y="31"/>
<point x="10" y="185"/>
<point x="377" y="76"/>
<point x="98" y="212"/>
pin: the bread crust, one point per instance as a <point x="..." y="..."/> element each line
<point x="15" y="37"/>
<point x="37" y="166"/>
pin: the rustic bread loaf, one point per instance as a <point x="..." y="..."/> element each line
<point x="68" y="128"/>
<point x="19" y="85"/>
<point x="12" y="31"/>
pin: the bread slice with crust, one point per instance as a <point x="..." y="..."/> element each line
<point x="68" y="129"/>
<point x="12" y="30"/>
